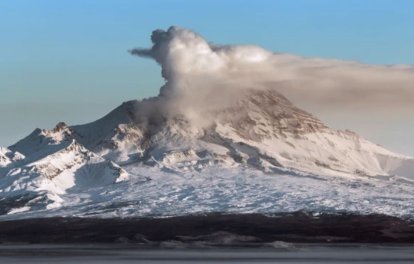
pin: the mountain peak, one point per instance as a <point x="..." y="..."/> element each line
<point x="265" y="114"/>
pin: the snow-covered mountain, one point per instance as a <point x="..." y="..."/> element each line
<point x="258" y="150"/>
<point x="216" y="139"/>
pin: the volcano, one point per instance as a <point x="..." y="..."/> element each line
<point x="254" y="152"/>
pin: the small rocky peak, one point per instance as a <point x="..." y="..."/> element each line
<point x="60" y="127"/>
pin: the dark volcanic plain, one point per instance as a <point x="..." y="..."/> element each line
<point x="215" y="230"/>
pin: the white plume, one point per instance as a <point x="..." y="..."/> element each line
<point x="201" y="76"/>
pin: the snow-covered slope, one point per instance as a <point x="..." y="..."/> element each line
<point x="7" y="156"/>
<point x="261" y="154"/>
<point x="262" y="130"/>
<point x="62" y="166"/>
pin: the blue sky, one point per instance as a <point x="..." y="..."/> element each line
<point x="68" y="60"/>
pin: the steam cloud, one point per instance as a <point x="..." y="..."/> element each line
<point x="200" y="76"/>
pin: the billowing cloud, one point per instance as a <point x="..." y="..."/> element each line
<point x="200" y="75"/>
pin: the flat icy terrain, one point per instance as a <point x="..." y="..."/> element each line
<point x="158" y="193"/>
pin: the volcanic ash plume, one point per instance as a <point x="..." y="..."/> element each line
<point x="201" y="77"/>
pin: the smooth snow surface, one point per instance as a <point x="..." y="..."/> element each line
<point x="161" y="193"/>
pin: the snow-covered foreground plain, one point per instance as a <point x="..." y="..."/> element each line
<point x="154" y="193"/>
